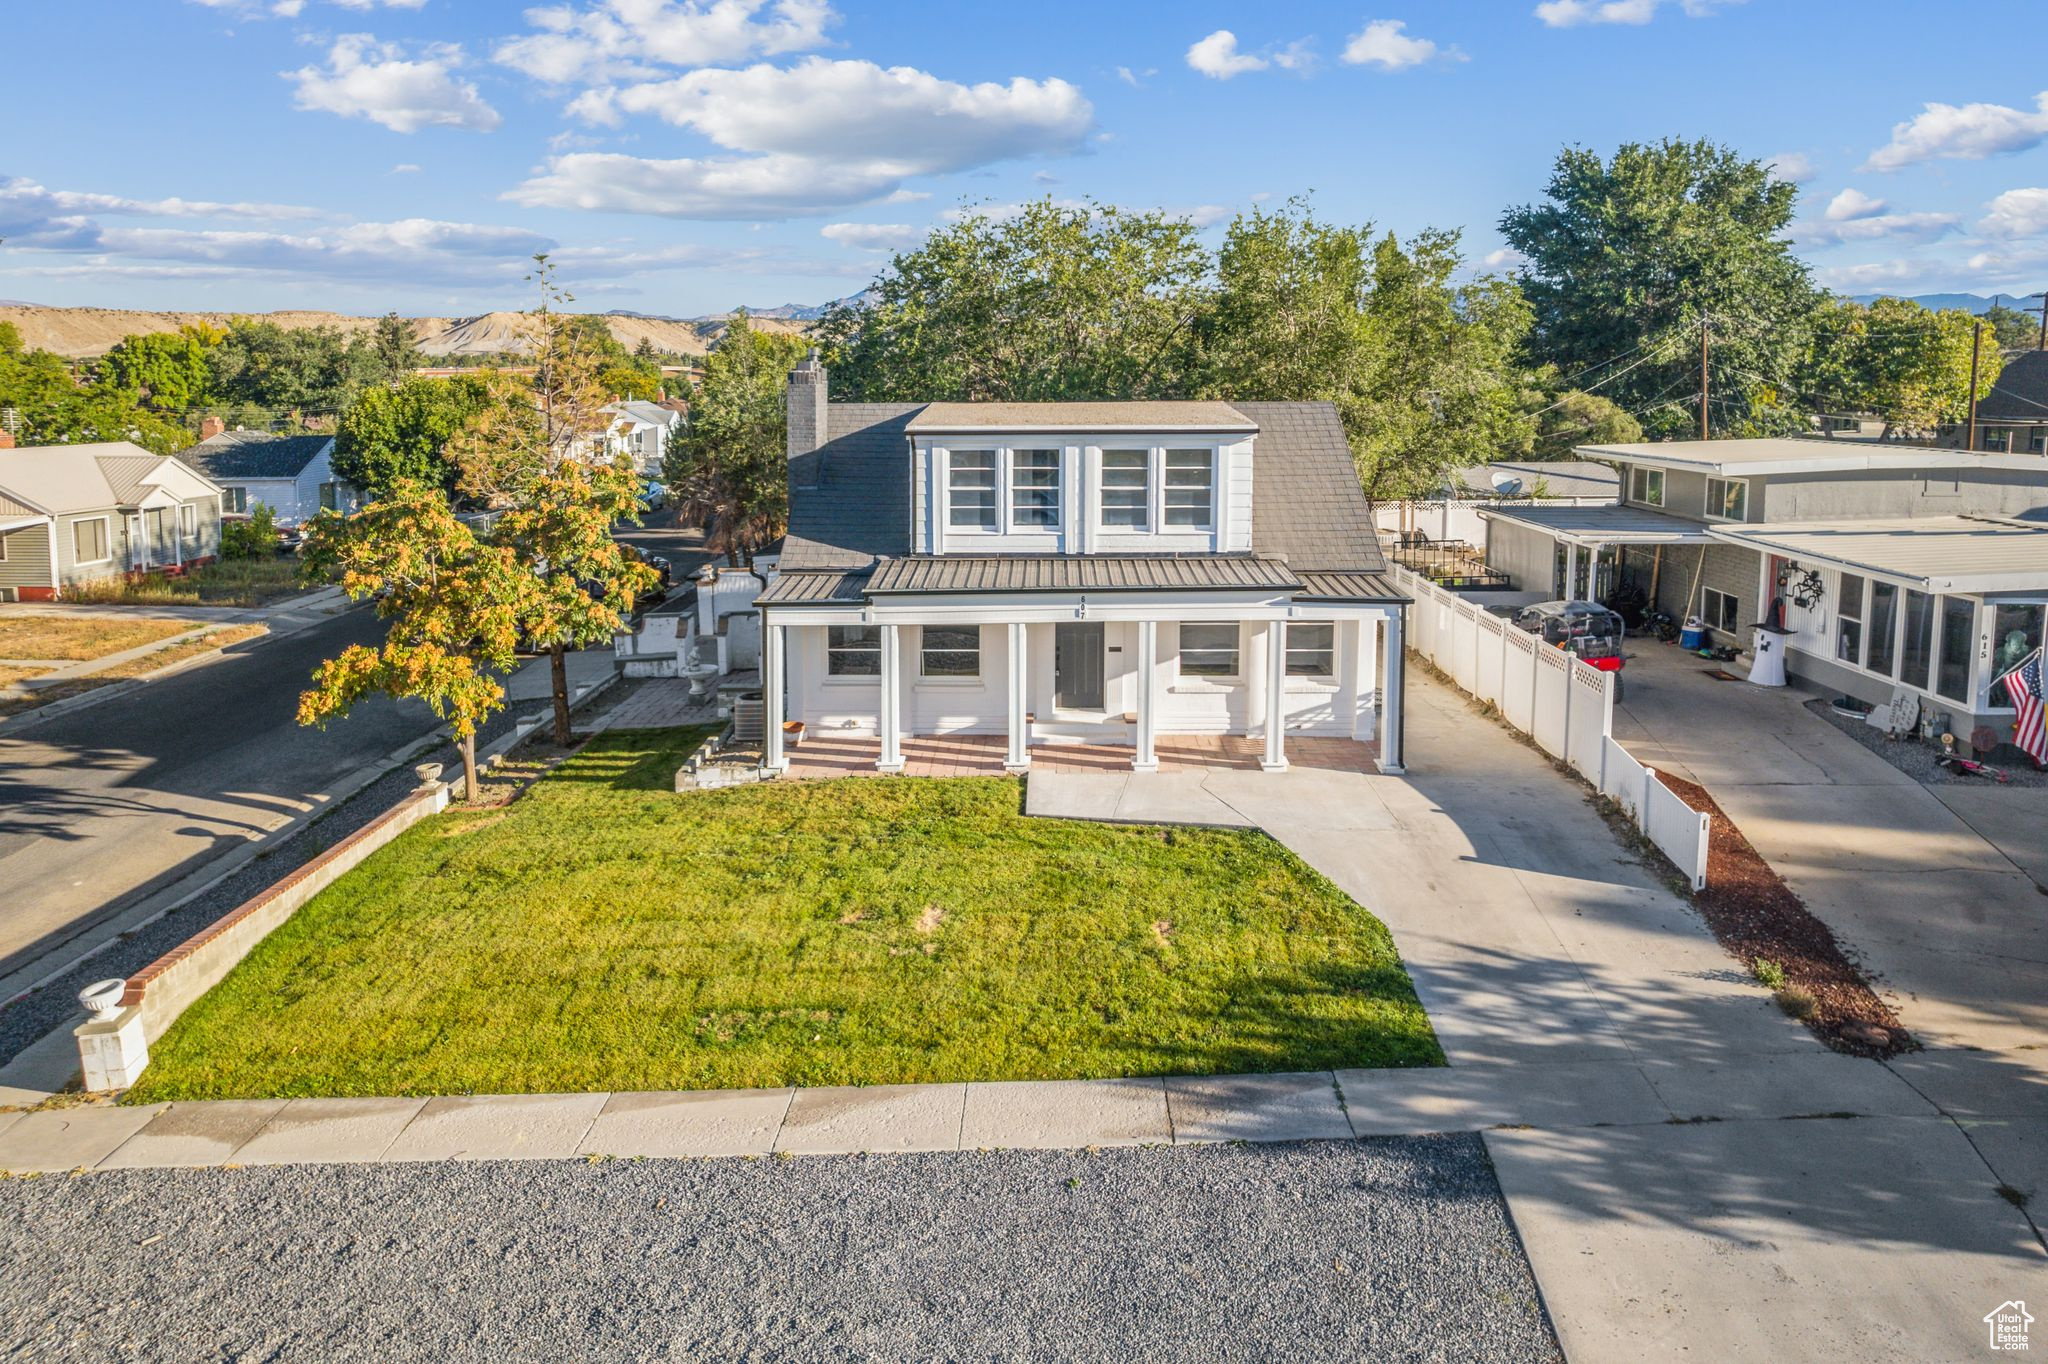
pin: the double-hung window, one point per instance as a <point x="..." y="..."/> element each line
<point x="853" y="651"/>
<point x="950" y="651"/>
<point x="1849" y="620"/>
<point x="1727" y="499"/>
<point x="1190" y="488"/>
<point x="971" y="490"/>
<point x="1311" y="651"/>
<point x="1127" y="489"/>
<point x="1646" y="485"/>
<point x="89" y="541"/>
<point x="1035" y="489"/>
<point x="1208" y="649"/>
<point x="188" y="521"/>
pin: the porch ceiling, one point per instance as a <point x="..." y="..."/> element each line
<point x="1604" y="525"/>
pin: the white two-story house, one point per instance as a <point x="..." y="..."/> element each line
<point x="1099" y="573"/>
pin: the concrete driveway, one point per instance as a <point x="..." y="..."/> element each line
<point x="1937" y="891"/>
<point x="1691" y="1173"/>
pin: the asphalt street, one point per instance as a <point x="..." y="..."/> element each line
<point x="102" y="806"/>
<point x="1388" y="1248"/>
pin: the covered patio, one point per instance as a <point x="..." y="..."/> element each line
<point x="975" y="755"/>
<point x="1564" y="550"/>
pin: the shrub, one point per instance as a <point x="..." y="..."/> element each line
<point x="1768" y="973"/>
<point x="250" y="539"/>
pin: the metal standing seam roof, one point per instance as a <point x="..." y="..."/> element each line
<point x="1351" y="587"/>
<point x="100" y="476"/>
<point x="1612" y="524"/>
<point x="1964" y="554"/>
<point x="1080" y="573"/>
<point x="1110" y="416"/>
<point x="814" y="588"/>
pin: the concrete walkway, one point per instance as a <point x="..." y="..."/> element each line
<point x="1753" y="1221"/>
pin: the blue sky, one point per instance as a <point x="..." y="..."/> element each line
<point x="684" y="156"/>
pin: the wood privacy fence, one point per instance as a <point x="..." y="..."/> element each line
<point x="1564" y="703"/>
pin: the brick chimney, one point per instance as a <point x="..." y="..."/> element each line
<point x="209" y="427"/>
<point x="806" y="399"/>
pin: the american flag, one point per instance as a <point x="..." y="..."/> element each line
<point x="2023" y="688"/>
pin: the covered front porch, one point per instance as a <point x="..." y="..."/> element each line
<point x="1137" y="681"/>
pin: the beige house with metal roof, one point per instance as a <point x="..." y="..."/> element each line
<point x="1891" y="566"/>
<point x="73" y="513"/>
<point x="1099" y="574"/>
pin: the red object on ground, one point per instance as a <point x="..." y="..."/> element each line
<point x="1611" y="664"/>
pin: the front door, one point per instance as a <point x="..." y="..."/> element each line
<point x="1077" y="665"/>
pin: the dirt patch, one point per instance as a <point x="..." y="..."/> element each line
<point x="1162" y="929"/>
<point x="472" y="825"/>
<point x="855" y="916"/>
<point x="929" y="921"/>
<point x="1756" y="917"/>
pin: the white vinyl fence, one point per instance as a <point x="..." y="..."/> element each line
<point x="1565" y="704"/>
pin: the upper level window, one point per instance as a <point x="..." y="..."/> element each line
<point x="1190" y="488"/>
<point x="1646" y="485"/>
<point x="971" y="490"/>
<point x="1035" y="489"/>
<point x="1728" y="499"/>
<point x="1311" y="650"/>
<point x="1126" y="489"/>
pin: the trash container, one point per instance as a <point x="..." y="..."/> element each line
<point x="1694" y="635"/>
<point x="1769" y="668"/>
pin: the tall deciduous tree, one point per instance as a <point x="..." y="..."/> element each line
<point x="164" y="371"/>
<point x="389" y="435"/>
<point x="537" y="454"/>
<point x="1052" y="302"/>
<point x="1575" y="418"/>
<point x="455" y="607"/>
<point x="1896" y="360"/>
<point x="729" y="469"/>
<point x="1628" y="255"/>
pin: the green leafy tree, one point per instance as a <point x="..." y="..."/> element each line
<point x="292" y="371"/>
<point x="1576" y="419"/>
<point x="1287" y="320"/>
<point x="1629" y="255"/>
<point x="729" y="469"/>
<point x="1896" y="360"/>
<point x="250" y="539"/>
<point x="2013" y="329"/>
<point x="87" y="415"/>
<point x="537" y="453"/>
<point x="1053" y="302"/>
<point x="454" y="606"/>
<point x="164" y="371"/>
<point x="397" y="354"/>
<point x="389" y="435"/>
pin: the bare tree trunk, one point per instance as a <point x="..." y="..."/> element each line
<point x="468" y="746"/>
<point x="558" y="664"/>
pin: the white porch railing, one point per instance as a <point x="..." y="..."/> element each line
<point x="1565" y="704"/>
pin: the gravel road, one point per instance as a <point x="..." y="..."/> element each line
<point x="1390" y="1248"/>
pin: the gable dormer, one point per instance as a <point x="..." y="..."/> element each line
<point x="1081" y="478"/>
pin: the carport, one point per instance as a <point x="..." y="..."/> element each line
<point x="1540" y="547"/>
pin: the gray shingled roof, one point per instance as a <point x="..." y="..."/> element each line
<point x="2021" y="393"/>
<point x="1121" y="416"/>
<point x="1080" y="573"/>
<point x="254" y="454"/>
<point x="850" y="501"/>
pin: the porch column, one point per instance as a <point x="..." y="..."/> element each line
<point x="890" y="721"/>
<point x="1020" y="727"/>
<point x="772" y="670"/>
<point x="1571" y="570"/>
<point x="1393" y="678"/>
<point x="1276" y="697"/>
<point x="1146" y="757"/>
<point x="1593" y="573"/>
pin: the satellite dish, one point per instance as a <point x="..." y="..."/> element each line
<point x="1507" y="485"/>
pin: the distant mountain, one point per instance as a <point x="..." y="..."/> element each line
<point x="1970" y="303"/>
<point x="807" y="312"/>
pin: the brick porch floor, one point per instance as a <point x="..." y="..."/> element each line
<point x="981" y="755"/>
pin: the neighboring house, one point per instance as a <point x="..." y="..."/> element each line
<point x="291" y="475"/>
<point x="1892" y="566"/>
<point x="1452" y="512"/>
<point x="2012" y="419"/>
<point x="1078" y="572"/>
<point x="73" y="513"/>
<point x="643" y="430"/>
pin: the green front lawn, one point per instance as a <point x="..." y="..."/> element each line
<point x="604" y="933"/>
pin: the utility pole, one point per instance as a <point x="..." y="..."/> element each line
<point x="2043" y="310"/>
<point x="1976" y="349"/>
<point x="1703" y="373"/>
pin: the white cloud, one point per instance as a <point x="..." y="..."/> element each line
<point x="1573" y="13"/>
<point x="1872" y="276"/>
<point x="908" y="196"/>
<point x="1506" y="258"/>
<point x="1382" y="43"/>
<point x="1852" y="204"/>
<point x="372" y="80"/>
<point x="1208" y="215"/>
<point x="817" y="136"/>
<point x="873" y="236"/>
<point x="1136" y="78"/>
<point x="24" y="204"/>
<point x="1796" y="167"/>
<point x="404" y="168"/>
<point x="631" y="39"/>
<point x="1968" y="132"/>
<point x="2016" y="213"/>
<point x="292" y="9"/>
<point x="1217" y="57"/>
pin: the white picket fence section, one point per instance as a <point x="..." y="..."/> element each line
<point x="1565" y="704"/>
